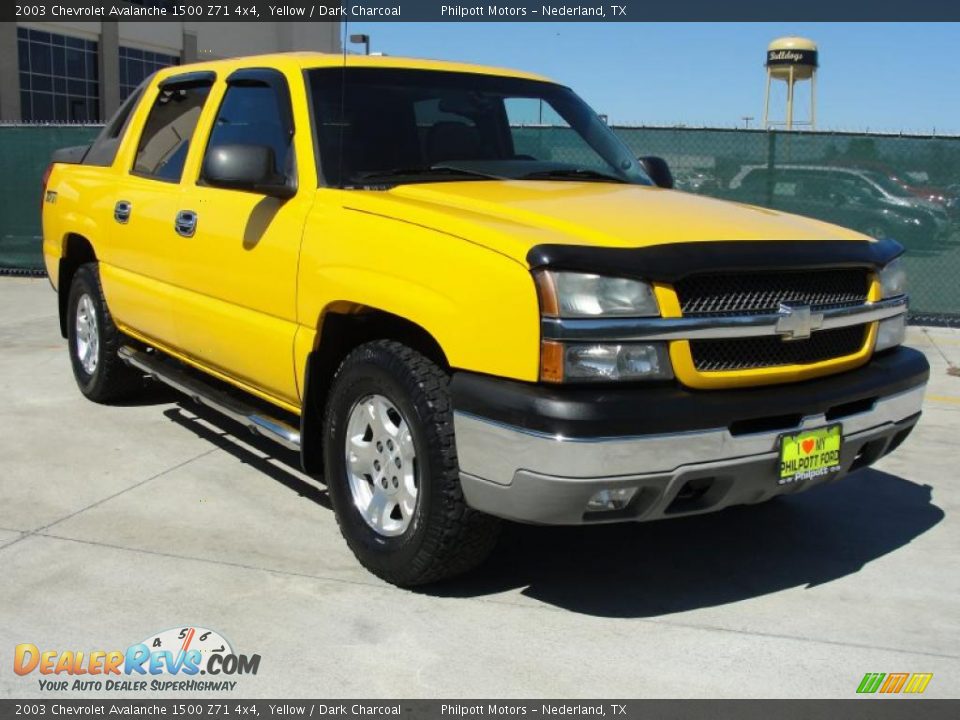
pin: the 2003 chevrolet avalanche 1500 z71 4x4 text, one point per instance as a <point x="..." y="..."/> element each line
<point x="456" y="314"/>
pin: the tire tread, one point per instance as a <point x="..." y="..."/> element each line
<point x="457" y="537"/>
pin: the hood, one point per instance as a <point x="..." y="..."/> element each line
<point x="512" y="216"/>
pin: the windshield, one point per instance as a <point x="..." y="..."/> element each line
<point x="386" y="126"/>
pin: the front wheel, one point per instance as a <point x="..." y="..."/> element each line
<point x="392" y="472"/>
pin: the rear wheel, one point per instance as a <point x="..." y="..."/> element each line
<point x="392" y="472"/>
<point x="94" y="341"/>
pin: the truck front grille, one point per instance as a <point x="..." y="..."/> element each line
<point x="753" y="293"/>
<point x="770" y="350"/>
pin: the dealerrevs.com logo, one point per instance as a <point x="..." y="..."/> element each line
<point x="167" y="661"/>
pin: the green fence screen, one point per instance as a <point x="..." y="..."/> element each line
<point x="906" y="187"/>
<point x="24" y="154"/>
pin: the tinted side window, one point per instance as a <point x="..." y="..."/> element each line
<point x="104" y="149"/>
<point x="250" y="115"/>
<point x="166" y="135"/>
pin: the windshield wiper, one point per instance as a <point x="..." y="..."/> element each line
<point x="571" y="174"/>
<point x="375" y="175"/>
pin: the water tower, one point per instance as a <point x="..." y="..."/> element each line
<point x="791" y="59"/>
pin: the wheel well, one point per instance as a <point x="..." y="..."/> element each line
<point x="77" y="250"/>
<point x="339" y="334"/>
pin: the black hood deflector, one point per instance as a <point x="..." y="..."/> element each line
<point x="671" y="262"/>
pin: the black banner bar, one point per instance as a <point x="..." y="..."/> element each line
<point x="473" y="11"/>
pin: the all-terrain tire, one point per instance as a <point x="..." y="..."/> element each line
<point x="107" y="378"/>
<point x="445" y="537"/>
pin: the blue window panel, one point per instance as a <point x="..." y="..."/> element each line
<point x="22" y="33"/>
<point x="135" y="54"/>
<point x="60" y="85"/>
<point x="77" y="110"/>
<point x="60" y="108"/>
<point x="25" y="112"/>
<point x="76" y="87"/>
<point x="59" y="61"/>
<point x="74" y="42"/>
<point x="42" y="107"/>
<point x="44" y="83"/>
<point x="24" y="81"/>
<point x="76" y="67"/>
<point x="92" y="69"/>
<point x="136" y="72"/>
<point x="39" y="36"/>
<point x="58" y="40"/>
<point x="40" y="59"/>
<point x="23" y="55"/>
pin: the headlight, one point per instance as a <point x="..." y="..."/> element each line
<point x="579" y="295"/>
<point x="571" y="295"/>
<point x="893" y="282"/>
<point x="893" y="279"/>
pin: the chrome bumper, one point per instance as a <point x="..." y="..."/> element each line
<point x="533" y="477"/>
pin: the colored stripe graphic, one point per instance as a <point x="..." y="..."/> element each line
<point x="894" y="683"/>
<point x="870" y="682"/>
<point x="918" y="682"/>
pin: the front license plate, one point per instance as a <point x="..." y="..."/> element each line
<point x="809" y="454"/>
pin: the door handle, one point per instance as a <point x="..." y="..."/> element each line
<point x="121" y="211"/>
<point x="186" y="223"/>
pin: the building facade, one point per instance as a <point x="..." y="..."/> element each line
<point x="80" y="72"/>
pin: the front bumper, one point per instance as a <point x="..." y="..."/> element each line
<point x="537" y="454"/>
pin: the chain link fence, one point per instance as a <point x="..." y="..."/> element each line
<point x="907" y="187"/>
<point x="25" y="152"/>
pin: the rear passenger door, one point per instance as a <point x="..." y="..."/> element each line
<point x="238" y="260"/>
<point x="140" y="274"/>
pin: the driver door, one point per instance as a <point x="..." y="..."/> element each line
<point x="238" y="249"/>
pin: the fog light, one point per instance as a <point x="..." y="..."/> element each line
<point x="616" y="362"/>
<point x="891" y="332"/>
<point x="611" y="499"/>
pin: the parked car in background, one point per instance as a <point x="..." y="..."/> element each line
<point x="856" y="198"/>
<point x="698" y="182"/>
<point x="904" y="183"/>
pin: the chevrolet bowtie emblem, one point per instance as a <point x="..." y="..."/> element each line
<point x="796" y="321"/>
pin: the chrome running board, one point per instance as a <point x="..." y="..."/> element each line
<point x="224" y="403"/>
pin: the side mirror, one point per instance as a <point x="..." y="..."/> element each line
<point x="245" y="167"/>
<point x="658" y="170"/>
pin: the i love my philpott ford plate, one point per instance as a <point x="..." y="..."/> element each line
<point x="810" y="454"/>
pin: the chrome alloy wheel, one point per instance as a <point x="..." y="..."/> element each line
<point x="381" y="465"/>
<point x="88" y="336"/>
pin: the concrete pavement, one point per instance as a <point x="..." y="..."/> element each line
<point x="119" y="522"/>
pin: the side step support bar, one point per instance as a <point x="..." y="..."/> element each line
<point x="251" y="418"/>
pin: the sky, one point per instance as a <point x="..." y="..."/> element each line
<point x="891" y="77"/>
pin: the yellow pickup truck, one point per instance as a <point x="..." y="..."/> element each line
<point x="461" y="298"/>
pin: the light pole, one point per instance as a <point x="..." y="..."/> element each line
<point x="365" y="39"/>
<point x="746" y="121"/>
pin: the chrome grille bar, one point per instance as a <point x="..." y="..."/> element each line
<point x="708" y="328"/>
